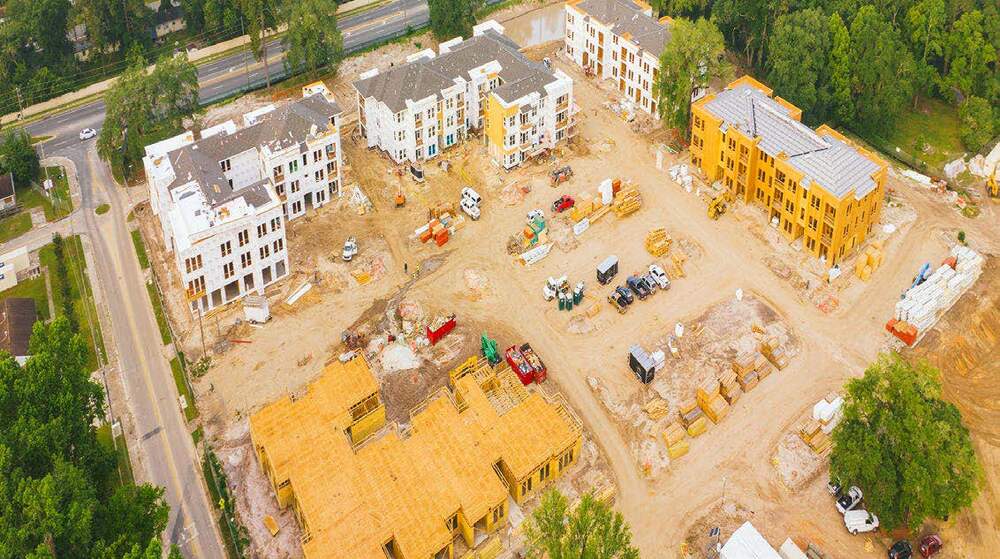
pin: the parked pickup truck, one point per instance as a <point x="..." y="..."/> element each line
<point x="638" y="285"/>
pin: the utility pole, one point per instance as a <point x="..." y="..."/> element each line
<point x="20" y="103"/>
<point x="246" y="56"/>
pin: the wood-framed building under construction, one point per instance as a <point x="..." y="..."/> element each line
<point x="360" y="491"/>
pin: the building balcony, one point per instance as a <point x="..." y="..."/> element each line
<point x="828" y="219"/>
<point x="827" y="240"/>
<point x="560" y="107"/>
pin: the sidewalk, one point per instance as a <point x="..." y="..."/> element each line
<point x="194" y="55"/>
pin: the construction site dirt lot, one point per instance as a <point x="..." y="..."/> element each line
<point x="729" y="468"/>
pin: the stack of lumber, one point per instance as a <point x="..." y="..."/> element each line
<point x="656" y="409"/>
<point x="674" y="437"/>
<point x="729" y="388"/>
<point x="627" y="201"/>
<point x="697" y="427"/>
<point x="584" y="207"/>
<point x="658" y="242"/>
<point x="689" y="412"/>
<point x="812" y="434"/>
<point x="710" y="401"/>
<point x="745" y="366"/>
<point x="869" y="261"/>
<point x="774" y="352"/>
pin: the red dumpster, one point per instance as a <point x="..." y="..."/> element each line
<point x="526" y="365"/>
<point x="440" y="328"/>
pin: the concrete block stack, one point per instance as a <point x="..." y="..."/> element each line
<point x="922" y="305"/>
<point x="710" y="401"/>
<point x="869" y="261"/>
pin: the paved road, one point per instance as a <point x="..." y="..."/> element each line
<point x="170" y="458"/>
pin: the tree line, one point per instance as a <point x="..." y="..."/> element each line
<point x="60" y="495"/>
<point x="859" y="64"/>
<point x="38" y="62"/>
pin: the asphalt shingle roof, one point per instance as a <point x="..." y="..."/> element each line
<point x="837" y="166"/>
<point x="279" y="129"/>
<point x="626" y="19"/>
<point x="17" y="317"/>
<point x="428" y="76"/>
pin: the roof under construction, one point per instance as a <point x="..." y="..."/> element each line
<point x="404" y="484"/>
<point x="823" y="158"/>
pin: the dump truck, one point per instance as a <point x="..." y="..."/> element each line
<point x="526" y="364"/>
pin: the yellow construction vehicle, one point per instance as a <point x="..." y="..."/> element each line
<point x="992" y="186"/>
<point x="717" y="206"/>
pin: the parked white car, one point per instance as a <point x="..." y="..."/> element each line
<point x="659" y="276"/>
<point x="849" y="500"/>
<point x="350" y="249"/>
<point x="859" y="521"/>
<point x="469" y="194"/>
<point x="87" y="133"/>
<point x="470" y="208"/>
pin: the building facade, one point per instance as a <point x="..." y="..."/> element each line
<point x="416" y="110"/>
<point x="470" y="450"/>
<point x="816" y="185"/>
<point x="222" y="200"/>
<point x="618" y="40"/>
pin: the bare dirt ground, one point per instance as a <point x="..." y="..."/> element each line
<point x="474" y="277"/>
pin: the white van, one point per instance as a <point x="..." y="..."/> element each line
<point x="858" y="521"/>
<point x="471" y="209"/>
<point x="471" y="195"/>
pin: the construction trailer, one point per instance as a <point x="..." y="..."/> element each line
<point x="409" y="492"/>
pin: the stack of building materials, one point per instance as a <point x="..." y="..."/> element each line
<point x="746" y="367"/>
<point x="584" y="207"/>
<point x="679" y="173"/>
<point x="658" y="242"/>
<point x="869" y="260"/>
<point x="924" y="303"/>
<point x="689" y="412"/>
<point x="772" y="349"/>
<point x="656" y="409"/>
<point x="674" y="437"/>
<point x="439" y="229"/>
<point x="812" y="434"/>
<point x="627" y="201"/>
<point x="828" y="412"/>
<point x="710" y="401"/>
<point x="698" y="426"/>
<point x="729" y="388"/>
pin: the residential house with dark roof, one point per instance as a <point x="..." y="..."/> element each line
<point x="17" y="317"/>
<point x="222" y="198"/>
<point x="816" y="186"/>
<point x="618" y="40"/>
<point x="8" y="196"/>
<point x="415" y="110"/>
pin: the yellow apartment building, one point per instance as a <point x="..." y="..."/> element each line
<point x="407" y="493"/>
<point x="816" y="184"/>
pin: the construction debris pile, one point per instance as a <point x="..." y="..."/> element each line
<point x="932" y="294"/>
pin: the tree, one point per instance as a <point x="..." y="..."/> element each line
<point x="591" y="531"/>
<point x="975" y="123"/>
<point x="56" y="499"/>
<point x="17" y="156"/>
<point x="968" y="56"/>
<point x="904" y="445"/>
<point x="925" y="22"/>
<point x="34" y="21"/>
<point x="116" y="25"/>
<point x="797" y="61"/>
<point x="690" y="60"/>
<point x="841" y="104"/>
<point x="452" y="18"/>
<point x="312" y="40"/>
<point x="261" y="18"/>
<point x="881" y="72"/>
<point x="139" y="102"/>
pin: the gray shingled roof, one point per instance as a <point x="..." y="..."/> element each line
<point x="428" y="76"/>
<point x="837" y="166"/>
<point x="625" y="17"/>
<point x="279" y="129"/>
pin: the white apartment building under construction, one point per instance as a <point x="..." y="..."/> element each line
<point x="414" y="111"/>
<point x="222" y="199"/>
<point x="618" y="40"/>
